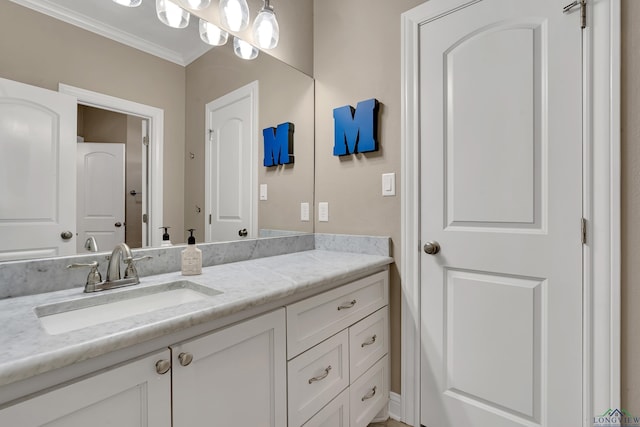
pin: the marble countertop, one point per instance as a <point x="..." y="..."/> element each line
<point x="28" y="350"/>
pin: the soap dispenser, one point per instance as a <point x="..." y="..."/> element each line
<point x="165" y="237"/>
<point x="191" y="257"/>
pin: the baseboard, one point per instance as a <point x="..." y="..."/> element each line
<point x="395" y="406"/>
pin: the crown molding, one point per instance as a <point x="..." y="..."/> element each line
<point x="87" y="23"/>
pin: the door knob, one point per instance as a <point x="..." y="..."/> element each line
<point x="432" y="248"/>
<point x="66" y="235"/>
<point x="118" y="224"/>
<point x="243" y="232"/>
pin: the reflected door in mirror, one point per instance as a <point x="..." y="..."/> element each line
<point x="37" y="173"/>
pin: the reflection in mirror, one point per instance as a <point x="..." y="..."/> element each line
<point x="86" y="60"/>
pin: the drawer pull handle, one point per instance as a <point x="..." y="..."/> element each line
<point x="347" y="305"/>
<point x="371" y="393"/>
<point x="369" y="342"/>
<point x="321" y="377"/>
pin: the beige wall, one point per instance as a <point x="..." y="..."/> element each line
<point x="101" y="125"/>
<point x="630" y="206"/>
<point x="285" y="95"/>
<point x="357" y="57"/>
<point x="42" y="51"/>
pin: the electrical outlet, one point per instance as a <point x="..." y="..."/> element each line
<point x="323" y="211"/>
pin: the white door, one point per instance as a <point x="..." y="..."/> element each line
<point x="100" y="194"/>
<point x="37" y="173"/>
<point x="501" y="158"/>
<point x="131" y="395"/>
<point x="229" y="167"/>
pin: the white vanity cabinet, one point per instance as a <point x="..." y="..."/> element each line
<point x="233" y="377"/>
<point x="130" y="395"/>
<point x="337" y="345"/>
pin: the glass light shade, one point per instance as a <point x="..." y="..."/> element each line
<point x="212" y="34"/>
<point x="198" y="4"/>
<point x="243" y="49"/>
<point x="234" y="14"/>
<point x="266" y="31"/>
<point x="129" y="3"/>
<point x="171" y="14"/>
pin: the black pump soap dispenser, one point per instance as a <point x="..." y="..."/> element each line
<point x="165" y="237"/>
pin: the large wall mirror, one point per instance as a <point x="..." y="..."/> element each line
<point x="44" y="52"/>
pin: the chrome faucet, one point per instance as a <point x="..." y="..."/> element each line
<point x="121" y="253"/>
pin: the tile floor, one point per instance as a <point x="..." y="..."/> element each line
<point x="389" y="423"/>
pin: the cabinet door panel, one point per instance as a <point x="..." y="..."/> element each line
<point x="131" y="395"/>
<point x="237" y="376"/>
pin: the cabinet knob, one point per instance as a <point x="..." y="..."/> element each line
<point x="185" y="358"/>
<point x="163" y="366"/>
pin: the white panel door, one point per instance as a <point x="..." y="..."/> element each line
<point x="37" y="172"/>
<point x="229" y="166"/>
<point x="131" y="395"/>
<point x="501" y="159"/>
<point x="233" y="377"/>
<point x="100" y="199"/>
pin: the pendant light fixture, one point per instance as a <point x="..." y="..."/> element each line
<point x="212" y="34"/>
<point x="266" y="31"/>
<point x="198" y="4"/>
<point x="129" y="3"/>
<point x="234" y="14"/>
<point x="171" y="14"/>
<point x="243" y="49"/>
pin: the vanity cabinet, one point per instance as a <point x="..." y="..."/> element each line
<point x="319" y="362"/>
<point x="232" y="377"/>
<point x="337" y="346"/>
<point x="130" y="395"/>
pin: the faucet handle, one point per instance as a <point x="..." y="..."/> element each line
<point x="131" y="270"/>
<point x="94" y="276"/>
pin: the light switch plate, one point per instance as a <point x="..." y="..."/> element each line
<point x="304" y="211"/>
<point x="323" y="211"/>
<point x="389" y="184"/>
<point x="263" y="191"/>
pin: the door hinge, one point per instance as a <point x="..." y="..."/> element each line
<point x="145" y="218"/>
<point x="209" y="219"/>
<point x="583" y="230"/>
<point x="145" y="140"/>
<point x="583" y="11"/>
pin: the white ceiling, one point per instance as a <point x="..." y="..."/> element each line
<point x="137" y="27"/>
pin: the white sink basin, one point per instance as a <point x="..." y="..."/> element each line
<point x="71" y="315"/>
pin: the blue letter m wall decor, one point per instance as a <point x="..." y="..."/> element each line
<point x="355" y="130"/>
<point x="278" y="145"/>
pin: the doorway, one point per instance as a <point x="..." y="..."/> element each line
<point x="152" y="133"/>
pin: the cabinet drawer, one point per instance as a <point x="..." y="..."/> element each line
<point x="316" y="377"/>
<point x="369" y="394"/>
<point x="317" y="318"/>
<point x="335" y="414"/>
<point x="368" y="342"/>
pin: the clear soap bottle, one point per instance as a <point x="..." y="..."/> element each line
<point x="191" y="257"/>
